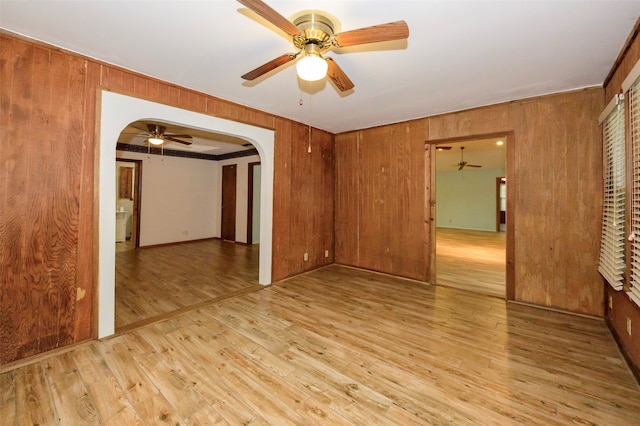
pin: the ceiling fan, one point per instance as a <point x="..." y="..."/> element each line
<point x="462" y="164"/>
<point x="157" y="136"/>
<point x="313" y="35"/>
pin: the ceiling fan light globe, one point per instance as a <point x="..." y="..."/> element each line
<point x="155" y="141"/>
<point x="312" y="68"/>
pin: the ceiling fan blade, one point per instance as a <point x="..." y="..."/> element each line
<point x="473" y="165"/>
<point x="175" y="135"/>
<point x="338" y="76"/>
<point x="384" y="32"/>
<point x="271" y="15"/>
<point x="172" y="139"/>
<point x="461" y="166"/>
<point x="269" y="66"/>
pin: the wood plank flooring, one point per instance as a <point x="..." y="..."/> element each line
<point x="471" y="260"/>
<point x="337" y="346"/>
<point x="153" y="282"/>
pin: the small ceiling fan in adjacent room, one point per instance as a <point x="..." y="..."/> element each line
<point x="312" y="34"/>
<point x="157" y="136"/>
<point x="462" y="164"/>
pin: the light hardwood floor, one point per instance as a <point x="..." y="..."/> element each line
<point x="471" y="260"/>
<point x="337" y="346"/>
<point x="153" y="282"/>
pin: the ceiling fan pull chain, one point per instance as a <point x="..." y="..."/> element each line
<point x="309" y="119"/>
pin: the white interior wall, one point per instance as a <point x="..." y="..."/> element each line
<point x="179" y="198"/>
<point x="116" y="112"/>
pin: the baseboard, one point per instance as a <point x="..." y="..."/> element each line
<point x="178" y="242"/>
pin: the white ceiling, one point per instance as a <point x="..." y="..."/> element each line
<point x="459" y="55"/>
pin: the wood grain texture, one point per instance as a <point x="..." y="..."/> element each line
<point x="367" y="349"/>
<point x="471" y="260"/>
<point x="347" y="193"/>
<point x="380" y="199"/>
<point x="303" y="198"/>
<point x="153" y="282"/>
<point x="40" y="226"/>
<point x="47" y="189"/>
<point x="554" y="168"/>
<point x="557" y="168"/>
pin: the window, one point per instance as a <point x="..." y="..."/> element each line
<point x="612" y="243"/>
<point x="634" y="123"/>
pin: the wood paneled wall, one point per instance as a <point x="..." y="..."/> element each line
<point x="556" y="177"/>
<point x="46" y="199"/>
<point x="303" y="200"/>
<point x="380" y="201"/>
<point x="622" y="306"/>
<point x="47" y="154"/>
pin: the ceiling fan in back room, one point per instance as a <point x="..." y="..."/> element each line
<point x="156" y="135"/>
<point x="462" y="164"/>
<point x="312" y="34"/>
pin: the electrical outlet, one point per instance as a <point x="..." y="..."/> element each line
<point x="610" y="302"/>
<point x="629" y="326"/>
<point x="306" y="257"/>
<point x="326" y="253"/>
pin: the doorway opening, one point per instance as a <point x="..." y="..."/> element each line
<point x="253" y="205"/>
<point x="469" y="247"/>
<point x="229" y="189"/>
<point x="182" y="262"/>
<point x="128" y="195"/>
<point x="116" y="112"/>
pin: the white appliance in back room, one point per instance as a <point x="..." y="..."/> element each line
<point x="121" y="225"/>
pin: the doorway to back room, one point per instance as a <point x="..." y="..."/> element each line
<point x="116" y="112"/>
<point x="182" y="262"/>
<point x="470" y="215"/>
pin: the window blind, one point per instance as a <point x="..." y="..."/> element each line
<point x="634" y="123"/>
<point x="612" y="242"/>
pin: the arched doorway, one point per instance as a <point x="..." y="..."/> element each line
<point x="117" y="111"/>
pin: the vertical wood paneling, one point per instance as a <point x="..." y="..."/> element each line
<point x="325" y="186"/>
<point x="45" y="176"/>
<point x="87" y="220"/>
<point x="347" y="195"/>
<point x="558" y="171"/>
<point x="380" y="191"/>
<point x="303" y="199"/>
<point x="224" y="109"/>
<point x="47" y="221"/>
<point x="556" y="167"/>
<point x="40" y="226"/>
<point x="158" y="91"/>
<point x="281" y="200"/>
<point x="554" y="162"/>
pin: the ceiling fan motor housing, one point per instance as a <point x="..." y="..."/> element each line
<point x="316" y="33"/>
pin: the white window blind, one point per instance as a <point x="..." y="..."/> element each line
<point x="612" y="242"/>
<point x="634" y="120"/>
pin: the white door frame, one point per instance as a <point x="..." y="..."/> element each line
<point x="118" y="111"/>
